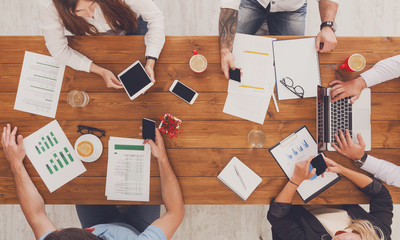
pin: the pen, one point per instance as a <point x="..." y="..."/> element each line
<point x="240" y="177"/>
<point x="276" y="104"/>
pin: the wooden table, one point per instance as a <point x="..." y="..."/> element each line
<point x="209" y="139"/>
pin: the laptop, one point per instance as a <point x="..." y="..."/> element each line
<point x="342" y="115"/>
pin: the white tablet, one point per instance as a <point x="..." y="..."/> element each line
<point x="135" y="80"/>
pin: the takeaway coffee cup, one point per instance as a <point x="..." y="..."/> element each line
<point x="354" y="63"/>
<point x="198" y="63"/>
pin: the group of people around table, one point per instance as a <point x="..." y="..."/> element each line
<point x="143" y="17"/>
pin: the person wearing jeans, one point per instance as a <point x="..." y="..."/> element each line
<point x="284" y="17"/>
<point x="100" y="222"/>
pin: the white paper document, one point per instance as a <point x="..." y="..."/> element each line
<point x="297" y="147"/>
<point x="39" y="85"/>
<point x="53" y="156"/>
<point x="128" y="170"/>
<point x="296" y="68"/>
<point x="250" y="98"/>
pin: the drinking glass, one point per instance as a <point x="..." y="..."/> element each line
<point x="77" y="98"/>
<point x="256" y="138"/>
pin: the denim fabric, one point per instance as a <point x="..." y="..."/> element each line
<point x="252" y="15"/>
<point x="137" y="216"/>
<point x="142" y="28"/>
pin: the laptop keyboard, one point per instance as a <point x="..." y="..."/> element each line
<point x="341" y="117"/>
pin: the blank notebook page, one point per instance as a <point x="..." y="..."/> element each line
<point x="298" y="60"/>
<point x="232" y="180"/>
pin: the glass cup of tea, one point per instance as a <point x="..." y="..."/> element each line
<point x="198" y="63"/>
<point x="77" y="98"/>
<point x="256" y="138"/>
<point x="354" y="63"/>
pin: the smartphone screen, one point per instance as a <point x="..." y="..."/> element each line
<point x="184" y="92"/>
<point x="149" y="129"/>
<point x="319" y="163"/>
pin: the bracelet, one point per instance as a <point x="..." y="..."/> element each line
<point x="293" y="183"/>
<point x="150" y="57"/>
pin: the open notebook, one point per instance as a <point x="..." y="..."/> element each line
<point x="296" y="68"/>
<point x="238" y="177"/>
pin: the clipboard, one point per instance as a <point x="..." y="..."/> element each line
<point x="299" y="146"/>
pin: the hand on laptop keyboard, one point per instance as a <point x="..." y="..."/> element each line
<point x="350" y="88"/>
<point x="347" y="147"/>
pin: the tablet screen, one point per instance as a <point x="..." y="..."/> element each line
<point x="135" y="79"/>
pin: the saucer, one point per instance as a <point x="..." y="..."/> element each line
<point x="97" y="145"/>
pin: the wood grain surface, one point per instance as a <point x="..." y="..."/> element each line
<point x="209" y="137"/>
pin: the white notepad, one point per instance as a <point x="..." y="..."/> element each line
<point x="298" y="60"/>
<point x="238" y="177"/>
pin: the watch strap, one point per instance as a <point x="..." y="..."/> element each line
<point x="328" y="24"/>
<point x="360" y="162"/>
<point x="150" y="57"/>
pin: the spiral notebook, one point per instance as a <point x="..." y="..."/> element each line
<point x="240" y="178"/>
<point x="297" y="72"/>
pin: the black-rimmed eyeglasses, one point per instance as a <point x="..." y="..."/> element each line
<point x="95" y="131"/>
<point x="288" y="83"/>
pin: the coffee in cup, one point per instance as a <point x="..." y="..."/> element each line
<point x="354" y="63"/>
<point x="85" y="149"/>
<point x="198" y="63"/>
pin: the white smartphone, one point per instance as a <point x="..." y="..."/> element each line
<point x="135" y="80"/>
<point x="183" y="91"/>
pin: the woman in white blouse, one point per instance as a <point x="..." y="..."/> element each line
<point x="107" y="17"/>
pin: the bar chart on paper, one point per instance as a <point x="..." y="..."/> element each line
<point x="52" y="156"/>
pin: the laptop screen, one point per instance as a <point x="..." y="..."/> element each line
<point x="321" y="92"/>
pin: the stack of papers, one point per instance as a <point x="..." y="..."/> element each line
<point x="128" y="170"/>
<point x="238" y="177"/>
<point x="39" y="85"/>
<point x="250" y="98"/>
<point x="52" y="155"/>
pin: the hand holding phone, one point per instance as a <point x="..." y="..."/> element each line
<point x="149" y="129"/>
<point x="319" y="163"/>
<point x="234" y="74"/>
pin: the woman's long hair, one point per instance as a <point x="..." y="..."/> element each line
<point x="117" y="13"/>
<point x="366" y="230"/>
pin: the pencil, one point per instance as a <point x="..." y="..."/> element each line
<point x="276" y="104"/>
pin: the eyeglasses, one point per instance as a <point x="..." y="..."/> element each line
<point x="288" y="83"/>
<point x="95" y="131"/>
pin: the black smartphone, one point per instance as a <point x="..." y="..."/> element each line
<point x="234" y="74"/>
<point x="319" y="163"/>
<point x="149" y="129"/>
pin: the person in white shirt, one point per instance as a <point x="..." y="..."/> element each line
<point x="107" y="17"/>
<point x="383" y="71"/>
<point x="284" y="17"/>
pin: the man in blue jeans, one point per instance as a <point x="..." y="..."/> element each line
<point x="101" y="222"/>
<point x="284" y="17"/>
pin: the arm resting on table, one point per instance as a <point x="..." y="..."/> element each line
<point x="383" y="170"/>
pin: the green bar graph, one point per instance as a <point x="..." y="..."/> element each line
<point x="58" y="160"/>
<point x="54" y="138"/>
<point x="51" y="142"/>
<point x="64" y="158"/>
<point x="41" y="146"/>
<point x="69" y="155"/>
<point x="37" y="149"/>
<point x="45" y="143"/>
<point x="129" y="147"/>
<point x="54" y="165"/>
<point x="48" y="168"/>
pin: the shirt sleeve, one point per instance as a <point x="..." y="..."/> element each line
<point x="383" y="170"/>
<point x="233" y="4"/>
<point x="152" y="233"/>
<point x="383" y="71"/>
<point x="155" y="36"/>
<point x="56" y="41"/>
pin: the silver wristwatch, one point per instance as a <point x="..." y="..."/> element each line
<point x="360" y="162"/>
